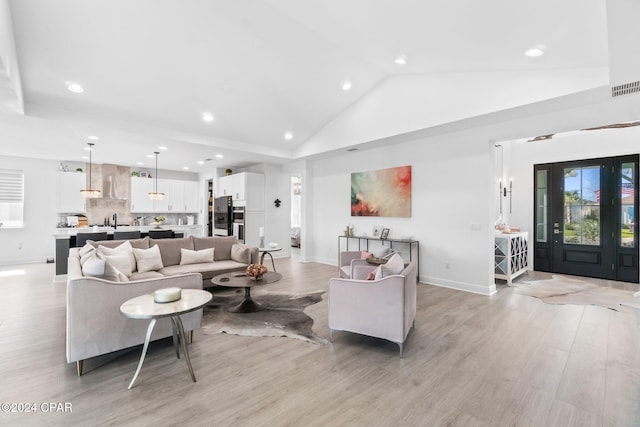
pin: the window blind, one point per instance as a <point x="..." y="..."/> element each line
<point x="11" y="186"/>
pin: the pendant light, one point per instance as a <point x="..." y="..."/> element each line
<point x="155" y="195"/>
<point x="90" y="193"/>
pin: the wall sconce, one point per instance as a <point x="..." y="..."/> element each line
<point x="297" y="188"/>
<point x="277" y="202"/>
<point x="503" y="191"/>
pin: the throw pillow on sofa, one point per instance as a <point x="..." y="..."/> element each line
<point x="124" y="248"/>
<point x="395" y="265"/>
<point x="148" y="259"/>
<point x="241" y="253"/>
<point x="120" y="262"/>
<point x="93" y="266"/>
<point x="188" y="256"/>
<point x="98" y="266"/>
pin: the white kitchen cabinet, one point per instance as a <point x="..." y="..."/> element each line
<point x="225" y="186"/>
<point x="191" y="196"/>
<point x="179" y="196"/>
<point x="140" y="189"/>
<point x="246" y="188"/>
<point x="162" y="206"/>
<point x="68" y="185"/>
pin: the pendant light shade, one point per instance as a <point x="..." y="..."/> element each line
<point x="90" y="193"/>
<point x="155" y="195"/>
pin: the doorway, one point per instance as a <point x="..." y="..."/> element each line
<point x="586" y="216"/>
<point x="296" y="215"/>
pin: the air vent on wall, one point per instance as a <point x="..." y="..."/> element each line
<point x="625" y="89"/>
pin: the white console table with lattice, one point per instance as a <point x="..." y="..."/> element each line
<point x="511" y="255"/>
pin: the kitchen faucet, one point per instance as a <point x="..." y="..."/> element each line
<point x="115" y="220"/>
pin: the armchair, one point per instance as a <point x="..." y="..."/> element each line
<point x="384" y="308"/>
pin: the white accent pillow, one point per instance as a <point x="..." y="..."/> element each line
<point x="148" y="259"/>
<point x="395" y="265"/>
<point x="98" y="266"/>
<point x="187" y="256"/>
<point x="93" y="266"/>
<point x="122" y="262"/>
<point x="125" y="248"/>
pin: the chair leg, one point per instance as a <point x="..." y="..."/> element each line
<point x="401" y="350"/>
<point x="330" y="334"/>
<point x="191" y="336"/>
<point x="79" y="365"/>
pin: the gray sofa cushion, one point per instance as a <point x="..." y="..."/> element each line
<point x="170" y="249"/>
<point x="222" y="246"/>
<point x="241" y="253"/>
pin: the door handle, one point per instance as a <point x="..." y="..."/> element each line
<point x="557" y="232"/>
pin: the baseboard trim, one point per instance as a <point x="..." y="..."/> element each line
<point x="460" y="286"/>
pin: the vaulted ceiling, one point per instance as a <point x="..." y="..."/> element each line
<point x="264" y="69"/>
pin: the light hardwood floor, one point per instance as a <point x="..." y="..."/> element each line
<point x="505" y="360"/>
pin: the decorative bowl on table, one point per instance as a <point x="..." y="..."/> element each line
<point x="256" y="271"/>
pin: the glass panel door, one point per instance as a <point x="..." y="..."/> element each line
<point x="582" y="205"/>
<point x="627" y="205"/>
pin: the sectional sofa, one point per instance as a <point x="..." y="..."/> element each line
<point x="95" y="325"/>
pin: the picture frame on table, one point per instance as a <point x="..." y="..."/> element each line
<point x="384" y="234"/>
<point x="375" y="230"/>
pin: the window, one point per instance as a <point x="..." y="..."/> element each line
<point x="11" y="198"/>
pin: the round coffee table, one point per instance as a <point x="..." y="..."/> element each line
<point x="241" y="280"/>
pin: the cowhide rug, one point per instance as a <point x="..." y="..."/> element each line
<point x="565" y="290"/>
<point x="283" y="315"/>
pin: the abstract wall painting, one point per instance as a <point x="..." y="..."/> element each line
<point x="382" y="192"/>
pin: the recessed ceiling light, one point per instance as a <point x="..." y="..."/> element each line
<point x="535" y="51"/>
<point x="288" y="136"/>
<point x="87" y="148"/>
<point x="401" y="60"/>
<point x="200" y="162"/>
<point x="85" y="157"/>
<point x="139" y="163"/>
<point x="346" y="85"/>
<point x="75" y="87"/>
<point x="95" y="138"/>
<point x="207" y="117"/>
<point x="151" y="156"/>
<point x="219" y="156"/>
<point x="162" y="147"/>
<point x="185" y="168"/>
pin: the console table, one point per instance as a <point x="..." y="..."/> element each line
<point x="409" y="249"/>
<point x="511" y="255"/>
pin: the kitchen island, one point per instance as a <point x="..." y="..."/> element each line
<point x="65" y="238"/>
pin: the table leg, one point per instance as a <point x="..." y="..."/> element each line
<point x="144" y="351"/>
<point x="185" y="351"/>
<point x="247" y="305"/>
<point x="174" y="328"/>
<point x="273" y="264"/>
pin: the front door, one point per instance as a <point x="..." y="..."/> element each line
<point x="586" y="216"/>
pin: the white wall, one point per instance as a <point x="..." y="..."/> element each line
<point x="521" y="156"/>
<point x="34" y="242"/>
<point x="452" y="184"/>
